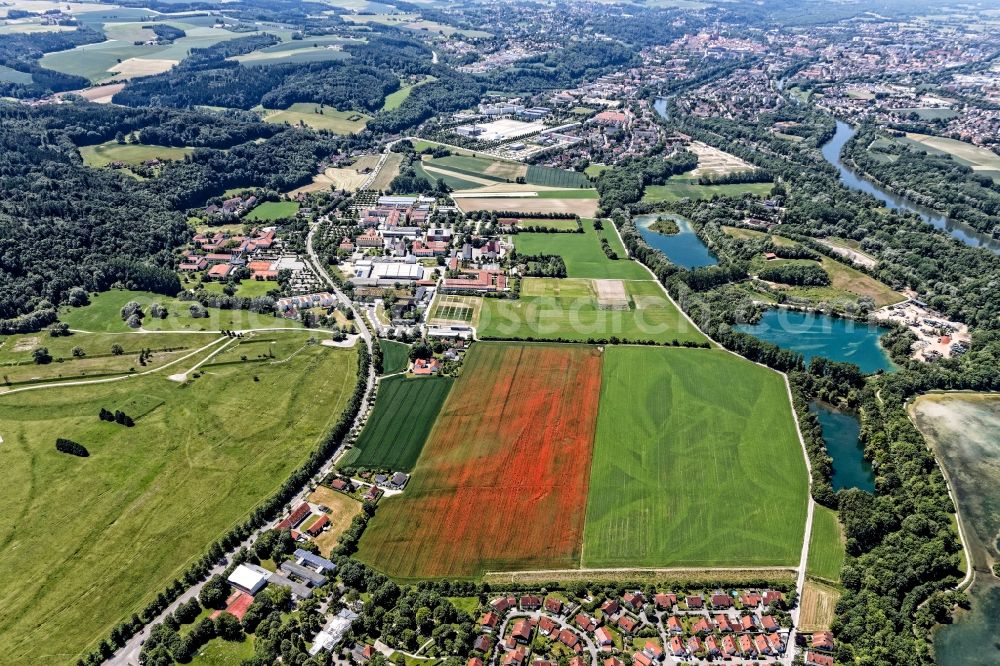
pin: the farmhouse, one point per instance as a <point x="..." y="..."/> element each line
<point x="425" y="367"/>
<point x="249" y="578"/>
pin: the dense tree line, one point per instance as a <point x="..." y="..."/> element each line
<point x="807" y="275"/>
<point x="563" y="67"/>
<point x="64" y="226"/>
<point x="542" y="265"/>
<point x="86" y="124"/>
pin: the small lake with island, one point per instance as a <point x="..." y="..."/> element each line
<point x="683" y="248"/>
<point x="816" y="334"/>
<point x="831" y="153"/>
<point x="842" y="435"/>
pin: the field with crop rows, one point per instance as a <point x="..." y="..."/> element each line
<point x="696" y="463"/>
<point x="404" y="413"/>
<point x="502" y="481"/>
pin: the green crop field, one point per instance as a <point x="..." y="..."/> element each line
<point x="318" y="117"/>
<point x="540" y="175"/>
<point x="103" y="154"/>
<point x="274" y="210"/>
<point x="583" y="254"/>
<point x="826" y="545"/>
<point x="404" y="413"/>
<point x="450" y="178"/>
<point x="561" y="224"/>
<point x="696" y="463"/>
<point x="395" y="356"/>
<point x="96" y="538"/>
<point x="681" y="187"/>
<point x="567" y="309"/>
<point x="103" y="315"/>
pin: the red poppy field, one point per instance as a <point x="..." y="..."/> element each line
<point x="502" y="482"/>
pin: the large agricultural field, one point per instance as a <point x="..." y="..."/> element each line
<point x="502" y="481"/>
<point x="981" y="160"/>
<point x="94" y="539"/>
<point x="697" y="463"/>
<point x="569" y="308"/>
<point x="405" y="410"/>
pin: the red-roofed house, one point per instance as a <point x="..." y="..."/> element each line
<point x="712" y="645"/>
<point x="603" y="637"/>
<point x="721" y="601"/>
<point x="193" y="264"/>
<point x="769" y="623"/>
<point x="610" y="607"/>
<point x="612" y="118"/>
<point x="642" y="659"/>
<point x="531" y="602"/>
<point x="725" y="626"/>
<point x="489" y="621"/>
<point x="702" y="626"/>
<point x="546" y="625"/>
<point x="503" y="604"/>
<point x="747" y="623"/>
<point x="613" y="661"/>
<point x="578" y="661"/>
<point x="474" y="661"/>
<point x="817" y="659"/>
<point x="773" y="596"/>
<point x="774" y="640"/>
<point x="522" y="631"/>
<point x="219" y="272"/>
<point x="761" y="644"/>
<point x="424" y="367"/>
<point x="674" y="625"/>
<point x="751" y="599"/>
<point x="627" y="623"/>
<point x="483" y="643"/>
<point x="746" y="646"/>
<point x="823" y="640"/>
<point x="296" y="517"/>
<point x="653" y="649"/>
<point x="317" y="527"/>
<point x="694" y="602"/>
<point x="586" y="622"/>
<point x="569" y="639"/>
<point x="515" y="658"/>
<point x="635" y="600"/>
<point x="677" y="646"/>
<point x="553" y="605"/>
<point x="729" y="646"/>
<point x="665" y="601"/>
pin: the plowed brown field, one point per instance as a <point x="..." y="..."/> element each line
<point x="502" y="483"/>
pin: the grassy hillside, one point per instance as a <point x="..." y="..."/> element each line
<point x="94" y="539"/>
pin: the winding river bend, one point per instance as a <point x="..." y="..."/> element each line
<point x="963" y="232"/>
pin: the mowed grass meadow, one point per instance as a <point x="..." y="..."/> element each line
<point x="94" y="539"/>
<point x="394" y="435"/>
<point x="696" y="463"/>
<point x="826" y="545"/>
<point x="583" y="254"/>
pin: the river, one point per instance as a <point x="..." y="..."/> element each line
<point x="831" y="153"/>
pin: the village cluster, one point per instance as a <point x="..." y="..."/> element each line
<point x="667" y="627"/>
